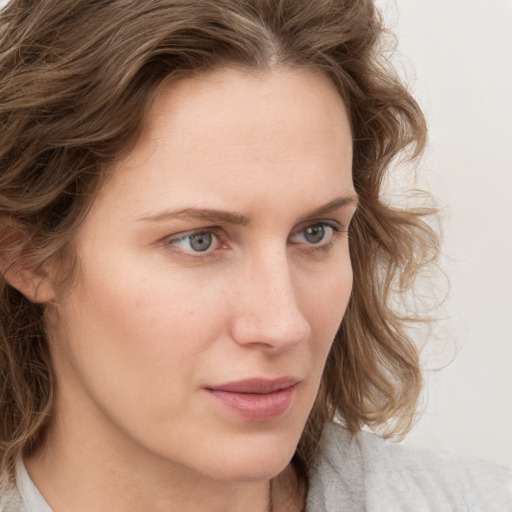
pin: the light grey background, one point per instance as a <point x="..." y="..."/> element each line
<point x="458" y="57"/>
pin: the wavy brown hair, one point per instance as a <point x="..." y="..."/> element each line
<point x="77" y="78"/>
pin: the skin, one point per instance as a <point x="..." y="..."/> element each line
<point x="148" y="323"/>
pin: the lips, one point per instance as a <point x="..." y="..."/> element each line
<point x="255" y="400"/>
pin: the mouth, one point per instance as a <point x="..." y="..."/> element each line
<point x="256" y="400"/>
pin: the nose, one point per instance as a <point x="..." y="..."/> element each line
<point x="267" y="312"/>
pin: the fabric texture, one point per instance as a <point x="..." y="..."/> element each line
<point x="362" y="472"/>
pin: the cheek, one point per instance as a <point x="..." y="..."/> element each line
<point x="127" y="339"/>
<point x="325" y="304"/>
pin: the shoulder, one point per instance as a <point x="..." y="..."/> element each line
<point x="365" y="472"/>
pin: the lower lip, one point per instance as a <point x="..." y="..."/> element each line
<point x="255" y="407"/>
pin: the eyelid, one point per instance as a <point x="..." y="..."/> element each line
<point x="186" y="234"/>
<point x="335" y="225"/>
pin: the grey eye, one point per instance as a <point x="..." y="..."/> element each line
<point x="196" y="242"/>
<point x="319" y="234"/>
<point x="200" y="242"/>
<point x="314" y="234"/>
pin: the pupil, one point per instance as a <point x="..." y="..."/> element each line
<point x="201" y="241"/>
<point x="314" y="234"/>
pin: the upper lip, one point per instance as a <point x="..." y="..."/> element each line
<point x="256" y="385"/>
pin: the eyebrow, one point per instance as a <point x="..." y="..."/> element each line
<point x="335" y="204"/>
<point x="205" y="214"/>
<point x="225" y="217"/>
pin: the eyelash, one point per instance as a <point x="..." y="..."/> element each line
<point x="337" y="232"/>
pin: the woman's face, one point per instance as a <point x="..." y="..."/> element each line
<point x="213" y="274"/>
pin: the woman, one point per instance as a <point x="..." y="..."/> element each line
<point x="198" y="267"/>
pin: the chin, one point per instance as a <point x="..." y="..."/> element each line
<point x="251" y="469"/>
<point x="250" y="460"/>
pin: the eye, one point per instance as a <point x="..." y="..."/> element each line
<point x="201" y="241"/>
<point x="319" y="234"/>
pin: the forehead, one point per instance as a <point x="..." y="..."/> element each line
<point x="233" y="135"/>
<point x="235" y="86"/>
<point x="230" y="107"/>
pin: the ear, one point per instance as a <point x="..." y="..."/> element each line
<point x="33" y="283"/>
<point x="19" y="269"/>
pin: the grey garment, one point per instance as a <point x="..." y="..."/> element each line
<point x="23" y="496"/>
<point x="31" y="497"/>
<point x="362" y="472"/>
